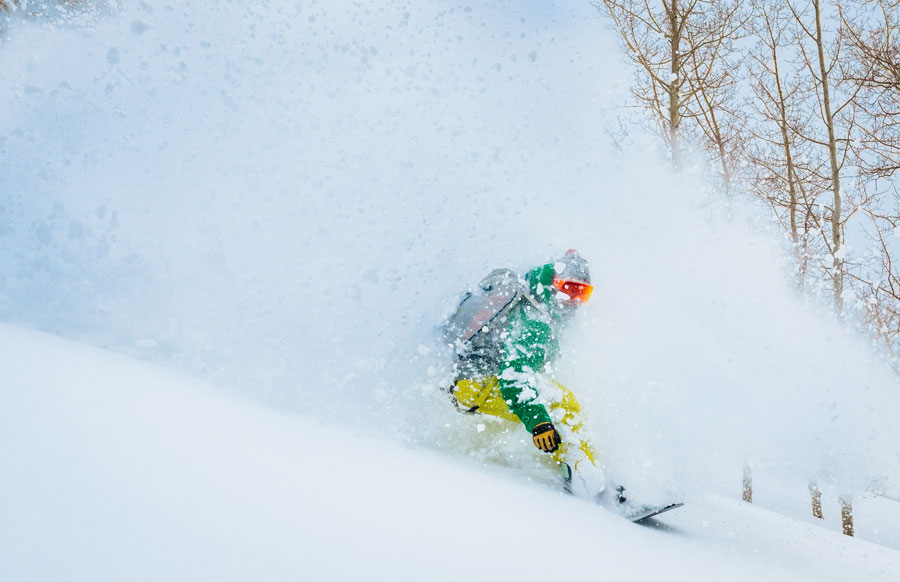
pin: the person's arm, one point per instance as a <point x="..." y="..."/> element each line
<point x="526" y="354"/>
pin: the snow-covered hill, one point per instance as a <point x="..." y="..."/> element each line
<point x="282" y="199"/>
<point x="113" y="469"/>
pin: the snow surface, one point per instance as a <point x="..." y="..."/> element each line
<point x="284" y="199"/>
<point x="113" y="469"/>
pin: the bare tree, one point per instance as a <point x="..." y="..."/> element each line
<point x="800" y="151"/>
<point x="875" y="65"/>
<point x="682" y="49"/>
<point x="821" y="61"/>
<point x="712" y="83"/>
<point x="783" y="167"/>
<point x="877" y="282"/>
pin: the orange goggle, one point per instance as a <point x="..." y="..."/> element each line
<point x="575" y="290"/>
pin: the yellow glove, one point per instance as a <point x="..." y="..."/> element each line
<point x="545" y="437"/>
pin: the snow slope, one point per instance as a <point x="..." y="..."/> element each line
<point x="113" y="469"/>
<point x="282" y="199"/>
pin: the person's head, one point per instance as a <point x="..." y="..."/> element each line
<point x="572" y="279"/>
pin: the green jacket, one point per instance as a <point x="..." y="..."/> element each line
<point x="530" y="345"/>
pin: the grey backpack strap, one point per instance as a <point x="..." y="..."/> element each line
<point x="539" y="305"/>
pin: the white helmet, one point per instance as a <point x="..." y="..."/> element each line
<point x="573" y="277"/>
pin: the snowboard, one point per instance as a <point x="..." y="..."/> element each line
<point x="647" y="511"/>
<point x="614" y="500"/>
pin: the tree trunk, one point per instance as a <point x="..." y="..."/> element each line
<point x="674" y="85"/>
<point x="838" y="263"/>
<point x="747" y="494"/>
<point x="847" y="515"/>
<point x="789" y="158"/>
<point x="816" y="496"/>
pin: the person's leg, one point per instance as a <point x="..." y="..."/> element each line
<point x="576" y="455"/>
<point x="483" y="395"/>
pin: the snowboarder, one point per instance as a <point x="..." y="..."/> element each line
<point x="505" y="336"/>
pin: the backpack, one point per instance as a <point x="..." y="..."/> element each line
<point x="490" y="302"/>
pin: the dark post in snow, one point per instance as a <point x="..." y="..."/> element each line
<point x="747" y="494"/>
<point x="816" y="496"/>
<point x="847" y="515"/>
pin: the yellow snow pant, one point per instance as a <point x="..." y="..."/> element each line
<point x="483" y="395"/>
